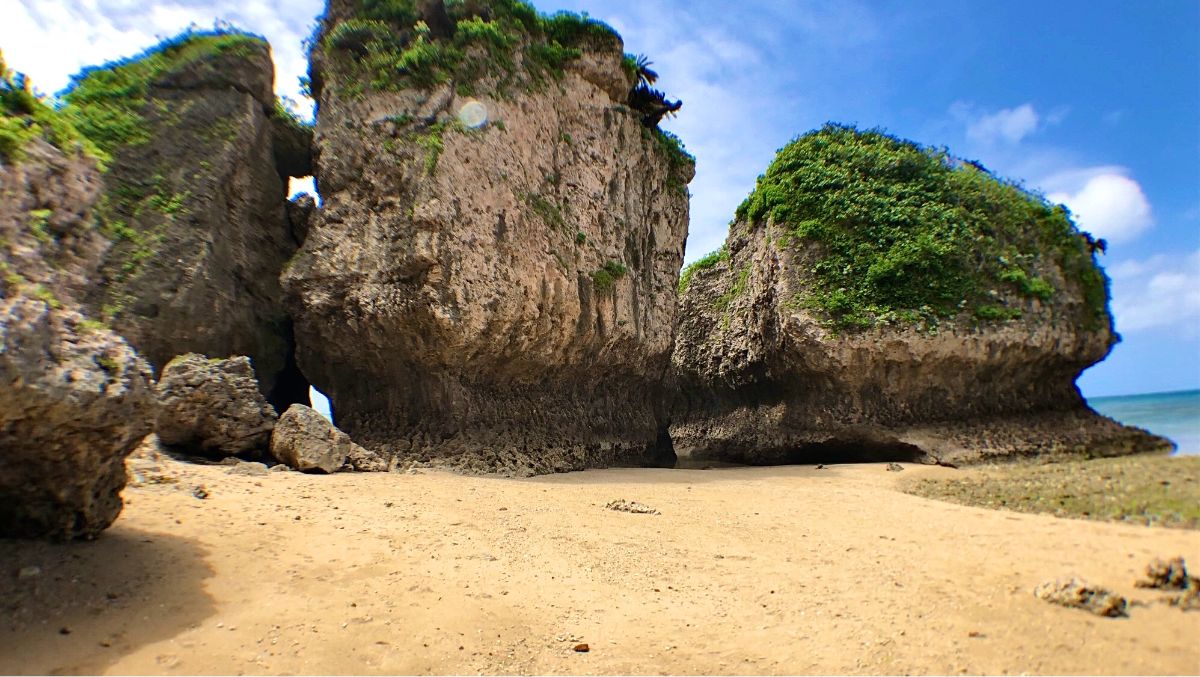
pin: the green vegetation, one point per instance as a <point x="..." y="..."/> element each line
<point x="674" y="149"/>
<point x="105" y="103"/>
<point x="705" y="263"/>
<point x="38" y="220"/>
<point x="24" y="117"/>
<point x="907" y="233"/>
<point x="549" y="212"/>
<point x="91" y="326"/>
<point x="1151" y="490"/>
<point x="391" y="48"/>
<point x="735" y="290"/>
<point x="604" y="279"/>
<point x="580" y="238"/>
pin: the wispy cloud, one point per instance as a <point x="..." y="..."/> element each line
<point x="1160" y="292"/>
<point x="1008" y="125"/>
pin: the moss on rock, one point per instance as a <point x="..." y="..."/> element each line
<point x="907" y="232"/>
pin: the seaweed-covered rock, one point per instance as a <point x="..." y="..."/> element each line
<point x="75" y="400"/>
<point x="489" y="282"/>
<point x="196" y="201"/>
<point x="876" y="300"/>
<point x="305" y="440"/>
<point x="213" y="407"/>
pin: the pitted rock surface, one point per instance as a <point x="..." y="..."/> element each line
<point x="213" y="407"/>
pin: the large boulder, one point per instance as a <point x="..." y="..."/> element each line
<point x="75" y="400"/>
<point x="305" y="440"/>
<point x="490" y="280"/>
<point x="876" y="300"/>
<point x="213" y="407"/>
<point x="196" y="202"/>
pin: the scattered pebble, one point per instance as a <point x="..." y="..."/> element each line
<point x="200" y="492"/>
<point x="582" y="648"/>
<point x="29" y="572"/>
<point x="894" y="467"/>
<point x="821" y="466"/>
<point x="1073" y="592"/>
<point x="631" y="506"/>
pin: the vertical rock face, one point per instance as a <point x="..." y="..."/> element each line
<point x="195" y="202"/>
<point x="500" y="297"/>
<point x="74" y="397"/>
<point x="822" y="331"/>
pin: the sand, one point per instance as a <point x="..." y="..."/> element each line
<point x="746" y="570"/>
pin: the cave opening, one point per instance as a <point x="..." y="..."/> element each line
<point x="842" y="451"/>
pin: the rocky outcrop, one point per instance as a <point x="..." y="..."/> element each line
<point x="75" y="399"/>
<point x="490" y="280"/>
<point x="305" y="440"/>
<point x="196" y="202"/>
<point x="775" y="366"/>
<point x="212" y="407"/>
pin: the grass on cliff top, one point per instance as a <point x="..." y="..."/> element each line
<point x="105" y="102"/>
<point x="391" y="48"/>
<point x="24" y="116"/>
<point x="1151" y="490"/>
<point x="908" y="234"/>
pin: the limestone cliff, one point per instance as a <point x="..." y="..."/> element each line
<point x="877" y="300"/>
<point x="195" y="202"/>
<point x="490" y="280"/>
<point x="74" y="397"/>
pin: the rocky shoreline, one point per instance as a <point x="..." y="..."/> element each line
<point x="492" y="279"/>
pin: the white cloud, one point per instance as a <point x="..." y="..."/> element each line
<point x="1161" y="292"/>
<point x="1105" y="202"/>
<point x="1009" y="124"/>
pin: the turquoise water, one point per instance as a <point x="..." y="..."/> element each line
<point x="1175" y="416"/>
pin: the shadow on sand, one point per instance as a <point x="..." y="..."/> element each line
<point x="87" y="604"/>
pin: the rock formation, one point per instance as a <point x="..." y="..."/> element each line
<point x="305" y="440"/>
<point x="196" y="202"/>
<point x="75" y="399"/>
<point x="836" y="325"/>
<point x="490" y="280"/>
<point x="212" y="407"/>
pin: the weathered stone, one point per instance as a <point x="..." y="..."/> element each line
<point x="300" y="211"/>
<point x="213" y="407"/>
<point x="306" y="440"/>
<point x="75" y="400"/>
<point x="766" y="377"/>
<point x="1073" y="592"/>
<point x="499" y="300"/>
<point x="197" y="212"/>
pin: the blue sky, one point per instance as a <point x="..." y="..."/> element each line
<point x="1095" y="103"/>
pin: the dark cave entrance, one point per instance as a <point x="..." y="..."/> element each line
<point x="839" y="451"/>
<point x="833" y="451"/>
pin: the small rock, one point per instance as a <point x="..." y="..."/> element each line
<point x="247" y="468"/>
<point x="631" y="506"/>
<point x="1166" y="575"/>
<point x="64" y="631"/>
<point x="821" y="466"/>
<point x="279" y="468"/>
<point x="29" y="572"/>
<point x="894" y="467"/>
<point x="582" y="648"/>
<point x="1189" y="600"/>
<point x="1073" y="592"/>
<point x="200" y="492"/>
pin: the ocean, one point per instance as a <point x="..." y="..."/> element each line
<point x="1175" y="416"/>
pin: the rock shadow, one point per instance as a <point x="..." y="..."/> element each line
<point x="77" y="608"/>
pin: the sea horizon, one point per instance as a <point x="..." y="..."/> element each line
<point x="1174" y="415"/>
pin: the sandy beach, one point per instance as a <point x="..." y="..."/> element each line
<point x="746" y="570"/>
